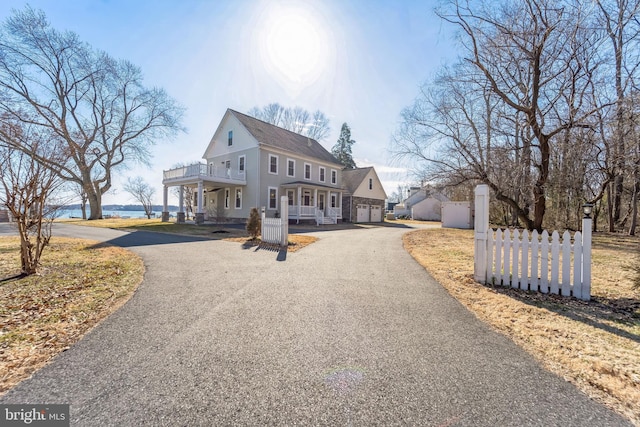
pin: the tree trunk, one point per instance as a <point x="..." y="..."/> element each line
<point x="95" y="202"/>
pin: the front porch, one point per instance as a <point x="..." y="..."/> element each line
<point x="313" y="202"/>
<point x="200" y="176"/>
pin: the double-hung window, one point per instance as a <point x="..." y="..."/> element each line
<point x="273" y="198"/>
<point x="321" y="173"/>
<point x="273" y="164"/>
<point x="307" y="171"/>
<point x="238" y="198"/>
<point x="291" y="167"/>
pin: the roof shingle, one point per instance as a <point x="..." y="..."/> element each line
<point x="277" y="137"/>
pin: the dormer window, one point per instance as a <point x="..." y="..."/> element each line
<point x="230" y="138"/>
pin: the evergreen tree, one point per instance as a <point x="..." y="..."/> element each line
<point x="342" y="149"/>
<point x="253" y="225"/>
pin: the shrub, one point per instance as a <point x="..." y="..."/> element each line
<point x="253" y="225"/>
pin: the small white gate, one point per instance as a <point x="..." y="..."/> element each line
<point x="276" y="230"/>
<point x="536" y="262"/>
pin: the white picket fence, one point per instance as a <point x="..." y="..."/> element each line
<point x="276" y="230"/>
<point x="536" y="262"/>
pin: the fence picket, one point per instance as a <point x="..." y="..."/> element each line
<point x="524" y="283"/>
<point x="491" y="246"/>
<point x="535" y="248"/>
<point x="515" y="275"/>
<point x="577" y="265"/>
<point x="566" y="264"/>
<point x="555" y="263"/>
<point x="498" y="256"/>
<point x="506" y="271"/>
<point x="544" y="263"/>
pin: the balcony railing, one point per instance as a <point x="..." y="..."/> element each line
<point x="202" y="171"/>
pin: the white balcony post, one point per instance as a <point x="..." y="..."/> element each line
<point x="165" y="204"/>
<point x="299" y="203"/>
<point x="200" y="214"/>
<point x="180" y="218"/>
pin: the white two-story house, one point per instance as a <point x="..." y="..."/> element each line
<point x="250" y="163"/>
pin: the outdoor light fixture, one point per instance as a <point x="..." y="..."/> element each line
<point x="587" y="208"/>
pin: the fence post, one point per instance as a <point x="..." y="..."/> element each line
<point x="586" y="259"/>
<point x="481" y="226"/>
<point x="262" y="217"/>
<point x="284" y="221"/>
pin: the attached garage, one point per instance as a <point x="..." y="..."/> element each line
<point x="364" y="197"/>
<point x="363" y="213"/>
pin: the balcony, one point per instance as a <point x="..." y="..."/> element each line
<point x="191" y="174"/>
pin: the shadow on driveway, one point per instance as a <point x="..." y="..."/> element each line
<point x="150" y="238"/>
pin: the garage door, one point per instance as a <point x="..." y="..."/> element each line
<point x="376" y="214"/>
<point x="362" y="213"/>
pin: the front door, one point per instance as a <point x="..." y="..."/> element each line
<point x="321" y="202"/>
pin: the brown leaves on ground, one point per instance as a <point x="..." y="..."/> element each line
<point x="296" y="242"/>
<point x="80" y="282"/>
<point x="595" y="345"/>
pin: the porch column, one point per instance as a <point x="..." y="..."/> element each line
<point x="180" y="218"/>
<point x="315" y="198"/>
<point x="340" y="204"/>
<point x="299" y="203"/>
<point x="165" y="204"/>
<point x="200" y="214"/>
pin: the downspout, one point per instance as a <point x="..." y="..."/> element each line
<point x="258" y="189"/>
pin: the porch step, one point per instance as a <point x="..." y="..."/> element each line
<point x="326" y="220"/>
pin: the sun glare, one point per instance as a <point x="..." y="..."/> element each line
<point x="294" y="45"/>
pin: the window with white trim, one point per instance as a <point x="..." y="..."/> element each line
<point x="227" y="196"/>
<point x="307" y="171"/>
<point x="370" y="183"/>
<point x="241" y="164"/>
<point x="273" y="164"/>
<point x="334" y="200"/>
<point x="291" y="167"/>
<point x="238" y="198"/>
<point x="272" y="198"/>
<point x="334" y="176"/>
<point x="321" y="173"/>
<point x="291" y="196"/>
<point x="230" y="138"/>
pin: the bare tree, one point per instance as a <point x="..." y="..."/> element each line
<point x="297" y="119"/>
<point x="141" y="192"/>
<point x="523" y="85"/>
<point x="95" y="104"/>
<point x="28" y="189"/>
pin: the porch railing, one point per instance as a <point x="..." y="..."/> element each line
<point x="204" y="171"/>
<point x="305" y="211"/>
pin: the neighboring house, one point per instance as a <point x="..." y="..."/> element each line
<point x="250" y="163"/>
<point x="364" y="196"/>
<point x="421" y="204"/>
<point x="4" y="215"/>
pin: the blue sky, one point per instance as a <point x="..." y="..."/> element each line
<point x="365" y="63"/>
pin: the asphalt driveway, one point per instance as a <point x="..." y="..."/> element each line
<point x="348" y="331"/>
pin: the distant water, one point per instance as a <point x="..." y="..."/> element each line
<point x="77" y="213"/>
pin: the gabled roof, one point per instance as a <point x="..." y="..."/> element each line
<point x="352" y="178"/>
<point x="277" y="137"/>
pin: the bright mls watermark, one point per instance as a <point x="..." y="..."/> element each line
<point x="34" y="415"/>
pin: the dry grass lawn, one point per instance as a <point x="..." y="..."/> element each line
<point x="595" y="345"/>
<point x="80" y="283"/>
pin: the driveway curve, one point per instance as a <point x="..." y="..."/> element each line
<point x="348" y="331"/>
